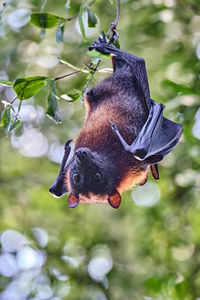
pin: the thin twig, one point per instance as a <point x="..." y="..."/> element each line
<point x="75" y="72"/>
<point x="113" y="25"/>
<point x="95" y="69"/>
<point x="13" y="100"/>
<point x="118" y="13"/>
<point x="67" y="75"/>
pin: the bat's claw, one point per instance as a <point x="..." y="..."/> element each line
<point x="113" y="126"/>
<point x="100" y="39"/>
<point x="103" y="37"/>
<point x="114" y="37"/>
<point x="100" y="47"/>
<point x="67" y="144"/>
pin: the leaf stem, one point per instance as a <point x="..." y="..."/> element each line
<point x="67" y="75"/>
<point x="113" y="25"/>
<point x="13" y="100"/>
<point x="75" y="72"/>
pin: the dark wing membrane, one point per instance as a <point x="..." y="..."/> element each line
<point x="138" y="68"/>
<point x="158" y="136"/>
<point x="58" y="188"/>
<point x="164" y="141"/>
<point x="135" y="63"/>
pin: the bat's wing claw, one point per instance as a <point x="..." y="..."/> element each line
<point x="114" y="126"/>
<point x="114" y="37"/>
<point x="67" y="143"/>
<point x="115" y="129"/>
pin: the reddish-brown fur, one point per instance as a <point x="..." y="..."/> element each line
<point x="97" y="135"/>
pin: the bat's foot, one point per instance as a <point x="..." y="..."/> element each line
<point x="115" y="129"/>
<point x="101" y="44"/>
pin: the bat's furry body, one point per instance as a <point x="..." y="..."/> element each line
<point x="110" y="159"/>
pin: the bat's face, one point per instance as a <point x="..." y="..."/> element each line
<point x="90" y="178"/>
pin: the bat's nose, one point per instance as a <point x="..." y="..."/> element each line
<point x="83" y="155"/>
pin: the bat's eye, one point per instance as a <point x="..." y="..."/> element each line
<point x="97" y="177"/>
<point x="76" y="178"/>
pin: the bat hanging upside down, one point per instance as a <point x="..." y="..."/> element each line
<point x="123" y="134"/>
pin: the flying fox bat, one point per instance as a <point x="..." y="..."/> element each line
<point x="123" y="134"/>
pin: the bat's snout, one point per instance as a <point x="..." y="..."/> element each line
<point x="83" y="156"/>
<point x="58" y="188"/>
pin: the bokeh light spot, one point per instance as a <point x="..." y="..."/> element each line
<point x="12" y="240"/>
<point x="146" y="195"/>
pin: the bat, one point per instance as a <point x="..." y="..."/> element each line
<point x="124" y="135"/>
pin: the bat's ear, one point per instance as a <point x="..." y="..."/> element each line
<point x="58" y="188"/>
<point x="154" y="171"/>
<point x="114" y="199"/>
<point x="73" y="201"/>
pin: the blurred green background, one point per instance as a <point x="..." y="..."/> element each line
<point x="150" y="247"/>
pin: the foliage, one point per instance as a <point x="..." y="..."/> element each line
<point x="149" y="248"/>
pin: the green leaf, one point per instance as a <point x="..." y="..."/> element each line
<point x="175" y="88"/>
<point x="154" y="284"/>
<point x="181" y="290"/>
<point x="71" y="97"/>
<point x="80" y="19"/>
<point x="44" y="20"/>
<point x="67" y="4"/>
<point x="89" y="79"/>
<point x="117" y="43"/>
<point x="6" y="82"/>
<point x="92" y="19"/>
<point x="5" y="120"/>
<point x="95" y="53"/>
<point x="52" y="109"/>
<point x="15" y="123"/>
<point x="95" y="60"/>
<point x="111" y="2"/>
<point x="28" y="86"/>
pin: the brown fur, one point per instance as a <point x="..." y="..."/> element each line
<point x="98" y="136"/>
<point x="132" y="179"/>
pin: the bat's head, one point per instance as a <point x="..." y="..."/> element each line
<point x="92" y="178"/>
